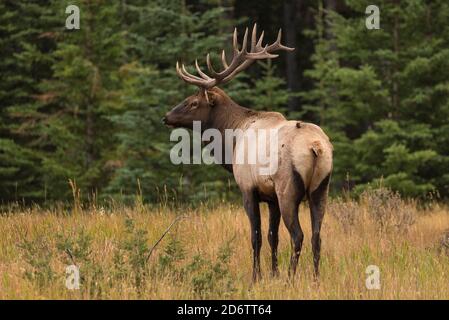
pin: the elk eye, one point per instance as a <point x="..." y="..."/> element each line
<point x="194" y="104"/>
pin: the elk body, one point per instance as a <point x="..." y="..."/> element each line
<point x="304" y="153"/>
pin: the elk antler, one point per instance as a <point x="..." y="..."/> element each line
<point x="241" y="60"/>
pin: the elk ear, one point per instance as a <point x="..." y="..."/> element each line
<point x="204" y="94"/>
<point x="212" y="98"/>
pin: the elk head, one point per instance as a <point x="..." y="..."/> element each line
<point x="198" y="107"/>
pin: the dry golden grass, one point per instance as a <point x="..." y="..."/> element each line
<point x="208" y="255"/>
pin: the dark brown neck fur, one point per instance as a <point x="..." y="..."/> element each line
<point x="226" y="114"/>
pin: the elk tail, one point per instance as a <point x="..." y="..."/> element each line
<point x="320" y="165"/>
<point x="315" y="151"/>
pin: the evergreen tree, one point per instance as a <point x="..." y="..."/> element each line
<point x="86" y="104"/>
<point x="161" y="33"/>
<point x="270" y="92"/>
<point x="85" y="89"/>
<point x="25" y="51"/>
<point x="386" y="90"/>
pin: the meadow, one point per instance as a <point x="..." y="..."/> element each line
<point x="207" y="253"/>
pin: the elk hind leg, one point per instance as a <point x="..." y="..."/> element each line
<point x="290" y="194"/>
<point x="317" y="203"/>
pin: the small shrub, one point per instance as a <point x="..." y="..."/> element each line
<point x="38" y="255"/>
<point x="443" y="245"/>
<point x="75" y="246"/>
<point x="212" y="277"/>
<point x="173" y="253"/>
<point x="345" y="212"/>
<point x="388" y="209"/>
<point x="75" y="249"/>
<point x="131" y="256"/>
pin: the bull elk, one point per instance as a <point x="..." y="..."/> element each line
<point x="304" y="152"/>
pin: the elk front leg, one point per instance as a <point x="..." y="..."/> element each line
<point x="273" y="235"/>
<point x="251" y="205"/>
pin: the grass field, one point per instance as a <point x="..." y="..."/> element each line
<point x="207" y="254"/>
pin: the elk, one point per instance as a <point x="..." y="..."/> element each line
<point x="304" y="152"/>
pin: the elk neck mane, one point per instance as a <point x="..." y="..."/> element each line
<point x="227" y="114"/>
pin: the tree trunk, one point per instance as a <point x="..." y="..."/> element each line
<point x="330" y="5"/>
<point x="90" y="120"/>
<point x="396" y="52"/>
<point x="291" y="8"/>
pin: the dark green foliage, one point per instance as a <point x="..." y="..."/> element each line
<point x="75" y="248"/>
<point x="86" y="104"/>
<point x="26" y="61"/>
<point x="136" y="248"/>
<point x="212" y="276"/>
<point x="269" y="92"/>
<point x="87" y="91"/>
<point x="38" y="254"/>
<point x="382" y="95"/>
<point x="173" y="252"/>
<point x="159" y="34"/>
